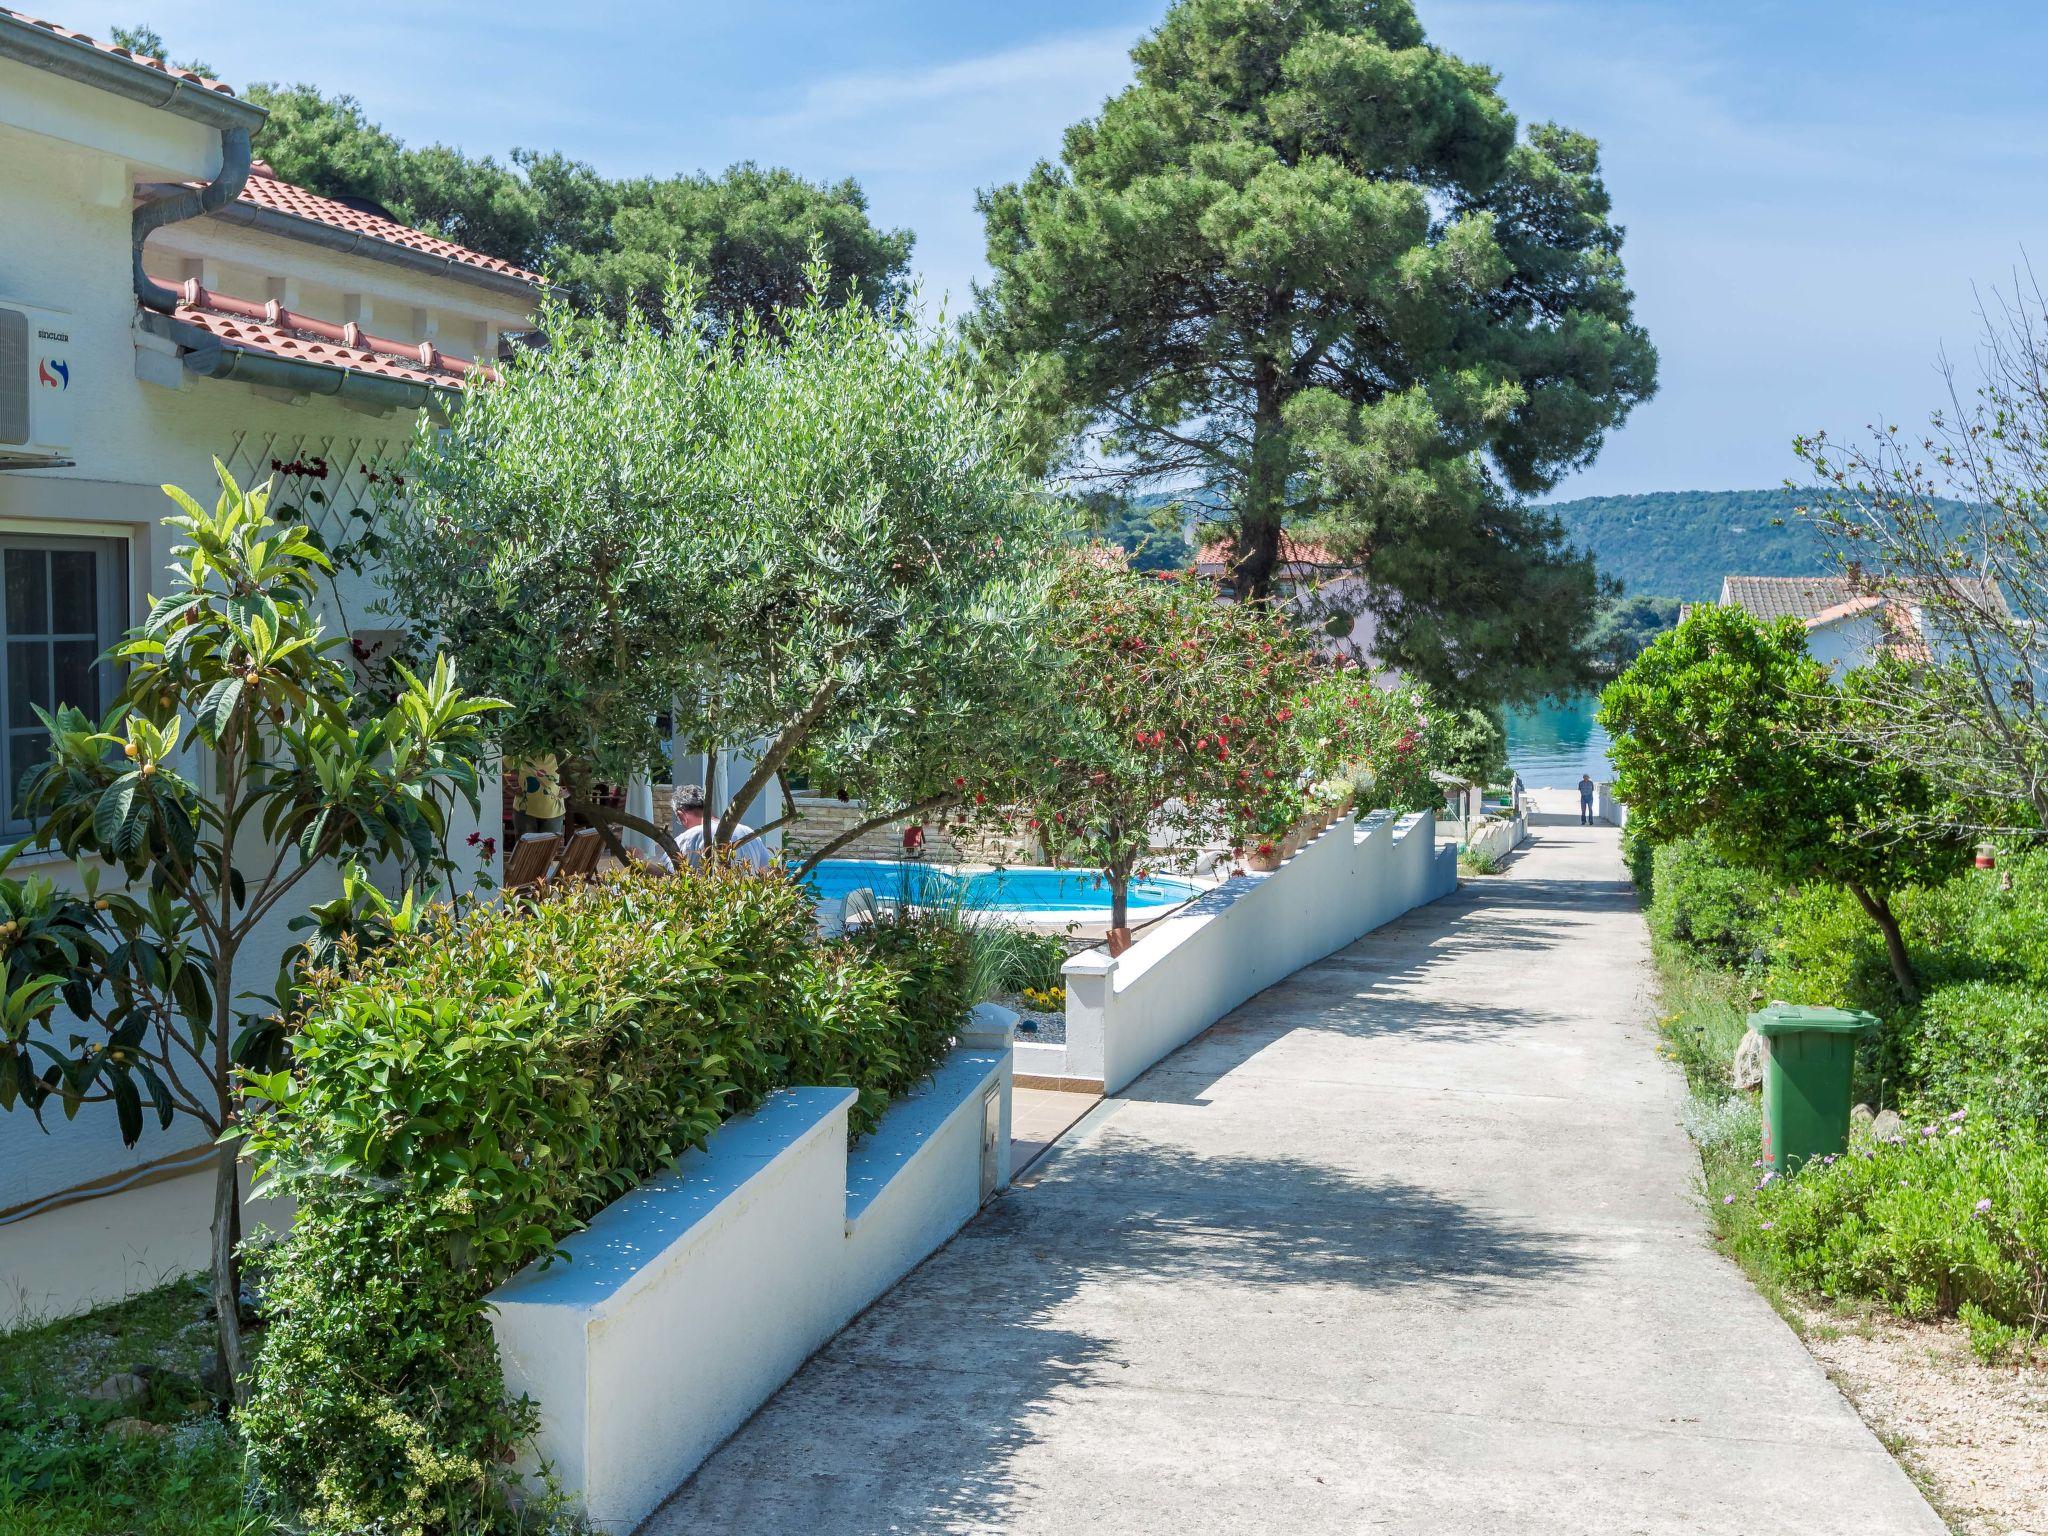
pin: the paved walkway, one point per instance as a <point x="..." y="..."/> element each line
<point x="1405" y="1244"/>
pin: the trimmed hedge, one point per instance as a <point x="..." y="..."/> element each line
<point x="1719" y="913"/>
<point x="474" y="1094"/>
<point x="1983" y="1047"/>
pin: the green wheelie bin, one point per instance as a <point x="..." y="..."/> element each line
<point x="1811" y="1052"/>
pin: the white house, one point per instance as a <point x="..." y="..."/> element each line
<point x="1327" y="595"/>
<point x="1846" y="626"/>
<point x="165" y="301"/>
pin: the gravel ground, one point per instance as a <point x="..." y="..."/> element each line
<point x="1974" y="1436"/>
<point x="1035" y="1026"/>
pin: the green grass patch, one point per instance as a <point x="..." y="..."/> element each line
<point x="1705" y="1014"/>
<point x="64" y="1471"/>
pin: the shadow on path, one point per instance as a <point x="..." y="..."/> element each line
<point x="1122" y="1266"/>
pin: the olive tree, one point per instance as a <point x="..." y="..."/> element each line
<point x="807" y="533"/>
<point x="236" y="761"/>
<point x="1728" y="729"/>
<point x="1948" y="530"/>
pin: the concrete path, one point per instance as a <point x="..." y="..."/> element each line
<point x="1406" y="1244"/>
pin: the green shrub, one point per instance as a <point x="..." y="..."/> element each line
<point x="1984" y="1046"/>
<point x="1640" y="857"/>
<point x="474" y="1094"/>
<point x="1986" y="931"/>
<point x="1715" y="911"/>
<point x="1952" y="1214"/>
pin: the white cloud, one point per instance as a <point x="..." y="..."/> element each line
<point x="922" y="141"/>
<point x="1085" y="65"/>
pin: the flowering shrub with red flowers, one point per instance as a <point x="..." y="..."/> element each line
<point x="1371" y="741"/>
<point x="1182" y="731"/>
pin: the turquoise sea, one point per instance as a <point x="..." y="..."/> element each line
<point x="1553" y="743"/>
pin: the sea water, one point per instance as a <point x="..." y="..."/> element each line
<point x="1552" y="743"/>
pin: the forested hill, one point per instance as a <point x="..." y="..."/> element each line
<point x="1681" y="543"/>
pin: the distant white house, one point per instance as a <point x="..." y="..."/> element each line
<point x="165" y="301"/>
<point x="1326" y="594"/>
<point x="1846" y="625"/>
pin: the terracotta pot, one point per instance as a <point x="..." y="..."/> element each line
<point x="1264" y="863"/>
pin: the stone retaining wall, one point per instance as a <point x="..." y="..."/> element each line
<point x="820" y="820"/>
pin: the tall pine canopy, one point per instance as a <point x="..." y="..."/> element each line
<point x="1308" y="262"/>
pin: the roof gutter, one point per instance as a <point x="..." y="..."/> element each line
<point x="349" y="242"/>
<point x="208" y="357"/>
<point x="41" y="48"/>
<point x="185" y="203"/>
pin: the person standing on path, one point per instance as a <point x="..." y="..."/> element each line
<point x="1585" y="799"/>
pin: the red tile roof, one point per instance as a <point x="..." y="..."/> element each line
<point x="301" y="339"/>
<point x="207" y="82"/>
<point x="264" y="190"/>
<point x="1293" y="551"/>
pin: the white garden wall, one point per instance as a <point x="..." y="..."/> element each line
<point x="1494" y="840"/>
<point x="1608" y="809"/>
<point x="1190" y="969"/>
<point x="688" y="1302"/>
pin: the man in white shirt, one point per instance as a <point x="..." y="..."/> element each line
<point x="746" y="846"/>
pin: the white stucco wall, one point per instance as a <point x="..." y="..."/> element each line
<point x="1608" y="809"/>
<point x="689" y="1301"/>
<point x="1497" y="838"/>
<point x="70" y="159"/>
<point x="1190" y="969"/>
<point x="1846" y="643"/>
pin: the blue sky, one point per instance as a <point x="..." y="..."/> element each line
<point x="1812" y="188"/>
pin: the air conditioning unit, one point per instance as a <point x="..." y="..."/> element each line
<point x="37" y="383"/>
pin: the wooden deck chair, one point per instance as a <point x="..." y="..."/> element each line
<point x="529" y="861"/>
<point x="579" y="858"/>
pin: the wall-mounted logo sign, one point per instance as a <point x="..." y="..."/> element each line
<point x="53" y="373"/>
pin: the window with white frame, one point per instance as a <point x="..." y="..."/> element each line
<point x="63" y="602"/>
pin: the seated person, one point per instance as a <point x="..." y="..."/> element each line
<point x="697" y="831"/>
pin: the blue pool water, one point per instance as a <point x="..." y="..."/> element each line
<point x="1026" y="889"/>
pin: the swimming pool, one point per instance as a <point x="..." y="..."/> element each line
<point x="1028" y="888"/>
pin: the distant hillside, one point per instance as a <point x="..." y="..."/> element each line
<point x="1662" y="543"/>
<point x="1681" y="543"/>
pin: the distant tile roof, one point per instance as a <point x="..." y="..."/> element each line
<point x="193" y="77"/>
<point x="1823" y="599"/>
<point x="1293" y="551"/>
<point x="299" y="339"/>
<point x="1787" y="597"/>
<point x="264" y="190"/>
